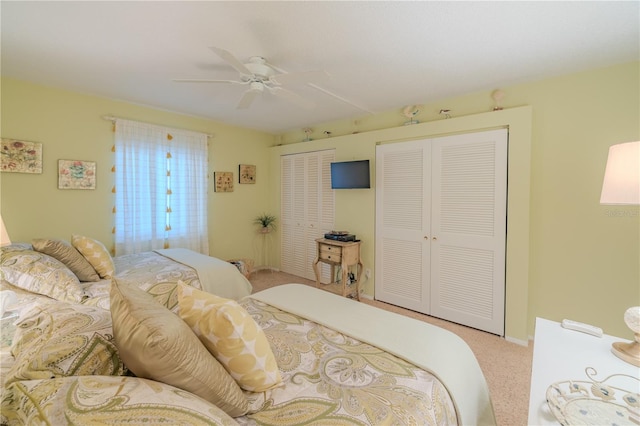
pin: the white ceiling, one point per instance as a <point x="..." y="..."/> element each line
<point x="380" y="55"/>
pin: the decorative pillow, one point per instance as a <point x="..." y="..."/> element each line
<point x="69" y="255"/>
<point x="232" y="336"/>
<point x="91" y="400"/>
<point x="62" y="339"/>
<point x="156" y="344"/>
<point x="39" y="273"/>
<point x="96" y="253"/>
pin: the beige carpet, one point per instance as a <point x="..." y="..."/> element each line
<point x="506" y="366"/>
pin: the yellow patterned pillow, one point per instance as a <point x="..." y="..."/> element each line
<point x="232" y="336"/>
<point x="96" y="253"/>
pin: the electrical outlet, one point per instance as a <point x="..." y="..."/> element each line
<point x="367" y="273"/>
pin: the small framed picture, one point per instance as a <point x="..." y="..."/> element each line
<point x="247" y="173"/>
<point x="76" y="174"/>
<point x="223" y="181"/>
<point x="21" y="156"/>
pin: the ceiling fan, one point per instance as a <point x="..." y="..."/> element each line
<point x="259" y="76"/>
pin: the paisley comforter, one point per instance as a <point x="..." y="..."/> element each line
<point x="343" y="362"/>
<point x="157" y="272"/>
<point x="331" y="378"/>
<point x="328" y="378"/>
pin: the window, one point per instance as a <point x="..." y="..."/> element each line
<point x="160" y="188"/>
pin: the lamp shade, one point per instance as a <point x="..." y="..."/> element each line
<point x="4" y="235"/>
<point x="622" y="176"/>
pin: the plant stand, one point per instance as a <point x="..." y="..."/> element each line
<point x="262" y="248"/>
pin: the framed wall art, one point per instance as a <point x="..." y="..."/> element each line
<point x="21" y="156"/>
<point x="247" y="173"/>
<point x="76" y="174"/>
<point x="223" y="181"/>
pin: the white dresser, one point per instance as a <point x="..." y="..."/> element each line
<point x="560" y="355"/>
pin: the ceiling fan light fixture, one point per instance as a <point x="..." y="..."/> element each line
<point x="258" y="74"/>
<point x="259" y="68"/>
<point x="256" y="86"/>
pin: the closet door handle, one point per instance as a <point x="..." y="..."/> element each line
<point x="426" y="237"/>
<point x="435" y="238"/>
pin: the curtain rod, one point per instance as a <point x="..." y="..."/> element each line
<point x="113" y="119"/>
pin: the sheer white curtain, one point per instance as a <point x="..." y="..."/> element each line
<point x="160" y="188"/>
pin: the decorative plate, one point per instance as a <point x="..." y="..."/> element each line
<point x="594" y="402"/>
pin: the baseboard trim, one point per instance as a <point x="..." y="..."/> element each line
<point x="265" y="268"/>
<point x="520" y="342"/>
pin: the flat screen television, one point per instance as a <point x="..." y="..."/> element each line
<point x="350" y="174"/>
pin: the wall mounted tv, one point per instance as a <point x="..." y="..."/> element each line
<point x="350" y="174"/>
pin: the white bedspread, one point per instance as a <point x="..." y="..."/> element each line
<point x="216" y="276"/>
<point x="434" y="349"/>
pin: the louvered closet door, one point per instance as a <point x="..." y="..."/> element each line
<point x="402" y="225"/>
<point x="312" y="222"/>
<point x="441" y="227"/>
<point x="469" y="229"/>
<point x="293" y="252"/>
<point x="326" y="212"/>
<point x="307" y="207"/>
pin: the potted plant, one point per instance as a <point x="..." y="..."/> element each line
<point x="267" y="222"/>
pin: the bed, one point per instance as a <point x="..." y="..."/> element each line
<point x="132" y="351"/>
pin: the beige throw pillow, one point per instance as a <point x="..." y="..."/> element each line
<point x="96" y="253"/>
<point x="69" y="255"/>
<point x="156" y="344"/>
<point x="232" y="336"/>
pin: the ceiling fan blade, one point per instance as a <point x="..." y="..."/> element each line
<point x="247" y="99"/>
<point x="231" y="60"/>
<point x="291" y="97"/>
<point x="300" y="77"/>
<point x="197" y="80"/>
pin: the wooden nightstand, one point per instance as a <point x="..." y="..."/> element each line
<point x="344" y="254"/>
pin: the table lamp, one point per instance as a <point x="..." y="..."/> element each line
<point x="621" y="186"/>
<point x="4" y="235"/>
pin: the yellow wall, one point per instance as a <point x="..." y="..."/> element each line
<point x="574" y="258"/>
<point x="355" y="208"/>
<point x="583" y="258"/>
<point x="70" y="126"/>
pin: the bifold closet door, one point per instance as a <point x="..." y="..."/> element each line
<point x="307" y="209"/>
<point x="403" y="216"/>
<point x="292" y="225"/>
<point x="468" y="229"/>
<point x="320" y="209"/>
<point x="441" y="227"/>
